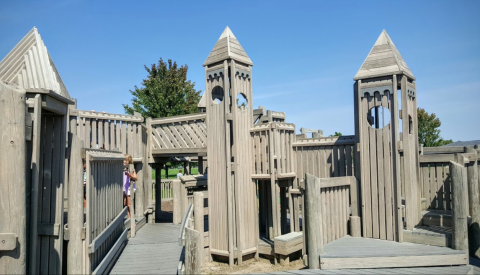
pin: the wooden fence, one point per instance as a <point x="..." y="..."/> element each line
<point x="434" y="179"/>
<point x="105" y="212"/>
<point x="124" y="133"/>
<point x="166" y="190"/>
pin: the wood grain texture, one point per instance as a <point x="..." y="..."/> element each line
<point x="12" y="174"/>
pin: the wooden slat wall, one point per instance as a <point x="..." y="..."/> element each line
<point x="104" y="203"/>
<point x="378" y="190"/>
<point x="436" y="185"/>
<point x="50" y="208"/>
<point x="335" y="212"/>
<point x="188" y="133"/>
<point x="325" y="161"/>
<point x="217" y="176"/>
<point x="245" y="188"/>
<point x="110" y="134"/>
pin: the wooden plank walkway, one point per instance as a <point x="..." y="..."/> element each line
<point x="154" y="250"/>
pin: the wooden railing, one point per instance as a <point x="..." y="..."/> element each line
<point x="111" y="131"/>
<point x="272" y="148"/>
<point x="166" y="190"/>
<point x="194" y="235"/>
<point x="105" y="213"/>
<point x="183" y="193"/>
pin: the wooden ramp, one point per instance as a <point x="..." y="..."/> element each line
<point x="154" y="250"/>
<point x="349" y="252"/>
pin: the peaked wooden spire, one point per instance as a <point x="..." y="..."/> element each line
<point x="227" y="47"/>
<point x="29" y="65"/>
<point x="383" y="59"/>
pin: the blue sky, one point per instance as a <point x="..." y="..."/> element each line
<point x="305" y="53"/>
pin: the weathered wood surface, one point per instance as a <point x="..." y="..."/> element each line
<point x="75" y="212"/>
<point x="183" y="134"/>
<point x="29" y="65"/>
<point x="349" y="252"/>
<point x="192" y="251"/>
<point x="313" y="221"/>
<point x="12" y="174"/>
<point x="463" y="269"/>
<point x="154" y="250"/>
<point x="473" y="203"/>
<point x="460" y="206"/>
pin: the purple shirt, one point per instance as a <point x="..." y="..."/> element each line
<point x="126" y="184"/>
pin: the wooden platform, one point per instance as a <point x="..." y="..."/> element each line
<point x="464" y="269"/>
<point x="349" y="252"/>
<point x="154" y="250"/>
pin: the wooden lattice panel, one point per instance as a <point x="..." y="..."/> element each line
<point x="179" y="134"/>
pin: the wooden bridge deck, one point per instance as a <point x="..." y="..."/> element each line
<point x="154" y="250"/>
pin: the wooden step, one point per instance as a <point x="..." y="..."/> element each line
<point x="431" y="235"/>
<point x="350" y="252"/>
<point x="437" y="218"/>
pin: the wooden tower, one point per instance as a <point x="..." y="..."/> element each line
<point x="382" y="83"/>
<point x="233" y="217"/>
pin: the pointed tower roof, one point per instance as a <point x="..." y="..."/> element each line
<point x="227" y="47"/>
<point x="203" y="101"/>
<point x="29" y="65"/>
<point x="383" y="59"/>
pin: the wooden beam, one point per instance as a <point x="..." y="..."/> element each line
<point x="182" y="118"/>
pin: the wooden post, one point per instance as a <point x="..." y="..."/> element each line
<point x="458" y="175"/>
<point x="192" y="251"/>
<point x="200" y="165"/>
<point x="355" y="221"/>
<point x="35" y="164"/>
<point x="177" y="202"/>
<point x="313" y="221"/>
<point x="13" y="180"/>
<point x="132" y="208"/>
<point x="158" y="192"/>
<point x="139" y="201"/>
<point x="473" y="204"/>
<point x="75" y="208"/>
<point x="199" y="219"/>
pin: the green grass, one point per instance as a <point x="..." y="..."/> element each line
<point x="172" y="173"/>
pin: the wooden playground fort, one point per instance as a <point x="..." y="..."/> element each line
<point x="375" y="199"/>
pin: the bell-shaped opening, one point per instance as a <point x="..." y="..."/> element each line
<point x="378" y="117"/>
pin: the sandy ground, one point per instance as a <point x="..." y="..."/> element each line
<point x="250" y="266"/>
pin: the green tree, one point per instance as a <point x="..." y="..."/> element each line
<point x="428" y="129"/>
<point x="337" y="134"/>
<point x="165" y="92"/>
